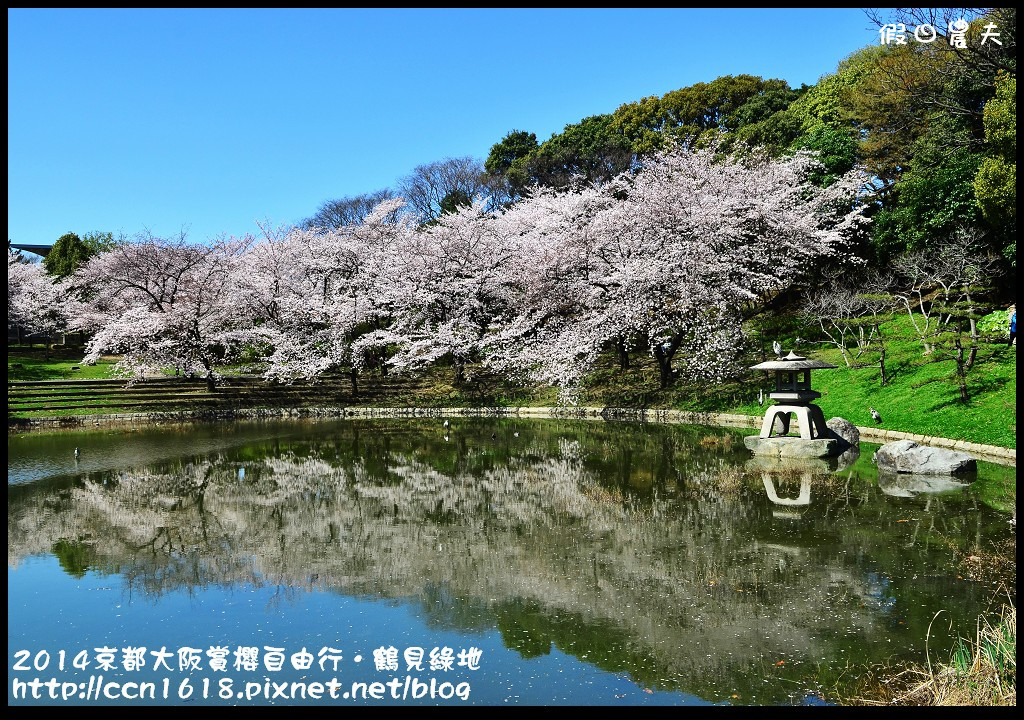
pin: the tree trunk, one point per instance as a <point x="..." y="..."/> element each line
<point x="972" y="355"/>
<point x="352" y="378"/>
<point x="961" y="370"/>
<point x="665" y="372"/>
<point x="881" y="366"/>
<point x="664" y="358"/>
<point x="623" y="354"/>
<point x="663" y="354"/>
<point x="211" y="385"/>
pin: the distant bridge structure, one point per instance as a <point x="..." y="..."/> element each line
<point x="43" y="250"/>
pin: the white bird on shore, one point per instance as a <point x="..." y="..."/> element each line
<point x="777" y="347"/>
<point x="875" y="416"/>
<point x="760" y="397"/>
<point x="445" y="423"/>
<point x="77" y="453"/>
<point x="515" y="434"/>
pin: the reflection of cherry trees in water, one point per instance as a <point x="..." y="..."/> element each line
<point x="656" y="557"/>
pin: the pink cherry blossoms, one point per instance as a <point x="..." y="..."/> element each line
<point x="665" y="258"/>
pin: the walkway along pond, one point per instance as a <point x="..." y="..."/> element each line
<point x="589" y="563"/>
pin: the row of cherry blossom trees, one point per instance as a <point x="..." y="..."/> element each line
<point x="665" y="258"/>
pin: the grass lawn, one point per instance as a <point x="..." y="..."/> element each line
<point x="920" y="396"/>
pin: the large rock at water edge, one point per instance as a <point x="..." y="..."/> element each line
<point x="844" y="430"/>
<point x="906" y="456"/>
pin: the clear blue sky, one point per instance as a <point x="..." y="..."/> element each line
<point x="212" y="120"/>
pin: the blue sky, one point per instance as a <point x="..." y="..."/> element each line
<point x="213" y="120"/>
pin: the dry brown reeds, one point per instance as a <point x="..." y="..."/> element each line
<point x="980" y="671"/>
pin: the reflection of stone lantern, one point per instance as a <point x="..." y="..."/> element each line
<point x="794" y="395"/>
<point x="803" y="499"/>
<point x="776" y="471"/>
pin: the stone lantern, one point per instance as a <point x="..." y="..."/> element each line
<point x="794" y="395"/>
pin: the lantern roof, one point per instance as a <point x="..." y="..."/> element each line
<point x="793" y="362"/>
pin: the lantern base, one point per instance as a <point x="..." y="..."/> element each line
<point x="809" y="417"/>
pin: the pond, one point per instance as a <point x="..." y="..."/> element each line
<point x="495" y="561"/>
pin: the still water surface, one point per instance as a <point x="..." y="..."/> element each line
<point x="581" y="562"/>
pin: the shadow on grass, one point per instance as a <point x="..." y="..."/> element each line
<point x="34" y="363"/>
<point x="975" y="387"/>
<point x="32" y="372"/>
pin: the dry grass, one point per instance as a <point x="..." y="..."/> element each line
<point x="980" y="671"/>
<point x="730" y="479"/>
<point x="994" y="566"/>
<point x="719" y="441"/>
<point x="602" y="495"/>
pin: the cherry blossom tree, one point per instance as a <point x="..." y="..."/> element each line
<point x="444" y="289"/>
<point x="698" y="237"/>
<point x="543" y="336"/>
<point x="312" y="293"/>
<point x="163" y="303"/>
<point x="674" y="256"/>
<point x="36" y="301"/>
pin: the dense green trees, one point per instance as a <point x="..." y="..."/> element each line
<point x="71" y="251"/>
<point x="508" y="160"/>
<point x="995" y="185"/>
<point x="591" y="149"/>
<point x="98" y="242"/>
<point x="67" y="255"/>
<point x="921" y="111"/>
<point x="599" y="147"/>
<point x="594" y="150"/>
<point x="934" y="196"/>
<point x="727" y="103"/>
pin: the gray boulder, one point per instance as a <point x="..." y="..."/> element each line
<point x="906" y="456"/>
<point x="844" y="430"/>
